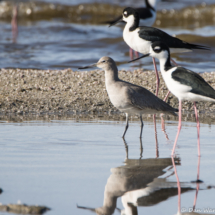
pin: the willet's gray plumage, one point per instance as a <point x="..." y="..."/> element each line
<point x="127" y="97"/>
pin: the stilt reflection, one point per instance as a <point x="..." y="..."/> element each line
<point x="190" y="210"/>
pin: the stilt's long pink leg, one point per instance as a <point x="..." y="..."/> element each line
<point x="178" y="185"/>
<point x="163" y="128"/>
<point x="131" y="53"/>
<point x="156" y="138"/>
<point x="197" y="186"/>
<point x="166" y="96"/>
<point x="136" y="54"/>
<point x="198" y="127"/>
<point x="179" y="127"/>
<point x="157" y="77"/>
<point x="14" y="23"/>
<point x="174" y="62"/>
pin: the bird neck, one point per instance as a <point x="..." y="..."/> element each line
<point x="151" y="4"/>
<point x="133" y="22"/>
<point x="111" y="75"/>
<point x="165" y="63"/>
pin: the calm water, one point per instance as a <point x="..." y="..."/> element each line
<point x="61" y="163"/>
<point x="67" y="34"/>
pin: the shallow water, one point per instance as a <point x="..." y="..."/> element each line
<point x="57" y="34"/>
<point x="61" y="163"/>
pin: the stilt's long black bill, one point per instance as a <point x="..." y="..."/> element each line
<point x="118" y="20"/>
<point x="146" y="55"/>
<point x="90" y="66"/>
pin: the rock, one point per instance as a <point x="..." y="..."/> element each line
<point x="24" y="209"/>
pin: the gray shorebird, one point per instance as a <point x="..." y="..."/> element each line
<point x="127" y="97"/>
<point x="183" y="83"/>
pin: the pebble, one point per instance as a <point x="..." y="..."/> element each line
<point x="28" y="91"/>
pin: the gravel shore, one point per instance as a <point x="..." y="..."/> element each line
<point x="27" y="91"/>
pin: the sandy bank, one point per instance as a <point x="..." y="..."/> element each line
<point x="66" y="91"/>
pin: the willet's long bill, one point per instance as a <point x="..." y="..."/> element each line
<point x="140" y="38"/>
<point x="129" y="98"/>
<point x="183" y="83"/>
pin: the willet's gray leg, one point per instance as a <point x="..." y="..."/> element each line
<point x="126" y="148"/>
<point x="141" y="126"/>
<point x="126" y="126"/>
<point x="141" y="148"/>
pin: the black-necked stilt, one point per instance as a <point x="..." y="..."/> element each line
<point x="127" y="97"/>
<point x="141" y="38"/>
<point x="181" y="82"/>
<point x="147" y="17"/>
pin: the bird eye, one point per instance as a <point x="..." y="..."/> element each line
<point x="125" y="13"/>
<point x="157" y="49"/>
<point x="103" y="61"/>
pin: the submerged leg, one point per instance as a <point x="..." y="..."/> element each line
<point x="131" y="53"/>
<point x="126" y="148"/>
<point x="197" y="186"/>
<point x="178" y="185"/>
<point x="179" y="127"/>
<point x="163" y="128"/>
<point x="136" y="54"/>
<point x="126" y="126"/>
<point x="198" y="127"/>
<point x="141" y="148"/>
<point x="156" y="138"/>
<point x="157" y="77"/>
<point x="141" y="126"/>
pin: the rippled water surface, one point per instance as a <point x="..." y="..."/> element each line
<point x="67" y="34"/>
<point x="68" y="162"/>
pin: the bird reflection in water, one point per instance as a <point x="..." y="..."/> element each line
<point x="137" y="182"/>
<point x="198" y="182"/>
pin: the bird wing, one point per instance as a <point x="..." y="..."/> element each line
<point x="142" y="99"/>
<point x="195" y="81"/>
<point x="153" y="34"/>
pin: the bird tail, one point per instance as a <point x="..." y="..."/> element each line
<point x="195" y="46"/>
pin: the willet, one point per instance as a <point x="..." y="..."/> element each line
<point x="127" y="97"/>
<point x="147" y="16"/>
<point x="183" y="83"/>
<point x="141" y="38"/>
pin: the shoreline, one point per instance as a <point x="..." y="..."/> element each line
<point x="30" y="91"/>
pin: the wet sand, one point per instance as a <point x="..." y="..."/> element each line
<point x="26" y="91"/>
